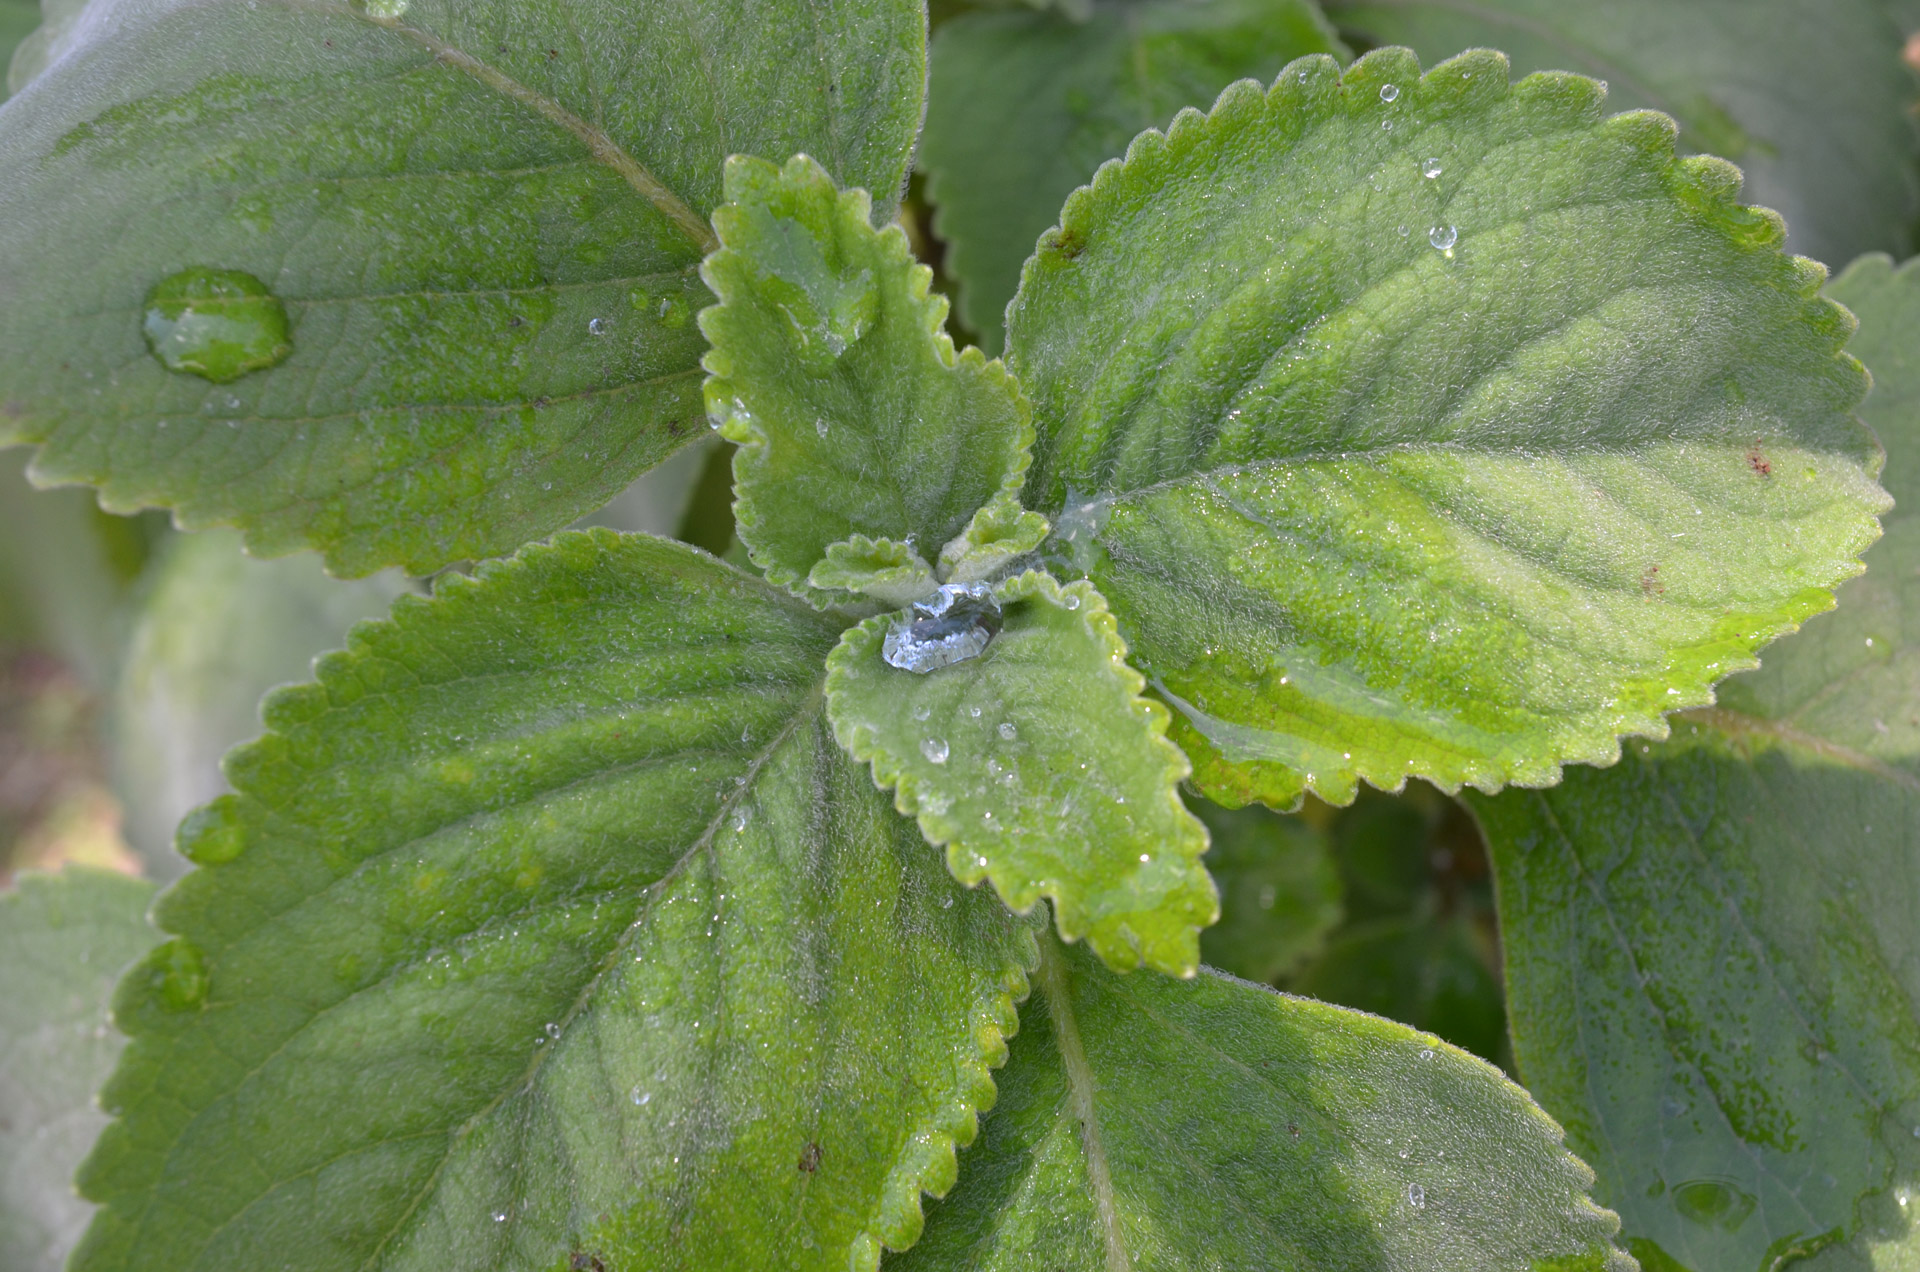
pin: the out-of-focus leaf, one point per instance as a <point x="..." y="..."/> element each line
<point x="1425" y="972"/>
<point x="215" y="631"/>
<point x="1279" y="892"/>
<point x="63" y="940"/>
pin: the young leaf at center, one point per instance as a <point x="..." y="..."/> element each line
<point x="830" y="367"/>
<point x="1040" y="767"/>
<point x="1432" y="425"/>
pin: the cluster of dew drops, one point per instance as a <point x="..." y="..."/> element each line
<point x="1442" y="237"/>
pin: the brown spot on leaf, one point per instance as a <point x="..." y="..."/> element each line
<point x="1758" y="462"/>
<point x="1650" y="581"/>
<point x="810" y="1158"/>
<point x="1068" y="243"/>
<point x="584" y="1262"/>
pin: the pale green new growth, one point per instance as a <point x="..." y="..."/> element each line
<point x="889" y="572"/>
<point x="831" y="369"/>
<point x="1022" y="107"/>
<point x="483" y="223"/>
<point x="1713" y="949"/>
<point x="1147" y="1124"/>
<point x="1039" y="766"/>
<point x="1000" y="533"/>
<point x="64" y="939"/>
<point x="1466" y="431"/>
<point x="550" y="927"/>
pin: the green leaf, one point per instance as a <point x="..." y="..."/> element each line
<point x="1148" y="1123"/>
<point x="1279" y="892"/>
<point x="831" y="369"/>
<point x="1425" y="971"/>
<point x="1023" y="106"/>
<point x="1812" y="101"/>
<point x="18" y="21"/>
<point x="480" y="227"/>
<point x="1039" y="766"/>
<point x="1711" y="949"/>
<point x="215" y="630"/>
<point x="63" y="940"/>
<point x="551" y="927"/>
<point x="1457" y="476"/>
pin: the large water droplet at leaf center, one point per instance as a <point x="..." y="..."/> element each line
<point x="216" y="323"/>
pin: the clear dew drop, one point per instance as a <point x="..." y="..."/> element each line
<point x="1416" y="1196"/>
<point x="922" y="711"/>
<point x="499" y="1216"/>
<point x="1443" y="237"/>
<point x="1388" y="92"/>
<point x="640" y="1097"/>
<point x="820" y="427"/>
<point x="1426" y="1053"/>
<point x="598" y="327"/>
<point x="935" y="749"/>
<point x="957" y="623"/>
<point x="218" y="324"/>
<point x="388" y="9"/>
<point x="553" y="1030"/>
<point x="1072" y="602"/>
<point x="1008" y="732"/>
<point x="1430" y="169"/>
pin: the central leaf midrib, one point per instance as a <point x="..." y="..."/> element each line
<point x="1052" y="978"/>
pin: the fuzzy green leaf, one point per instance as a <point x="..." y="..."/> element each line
<point x="1023" y="106"/>
<point x="832" y="370"/>
<point x="1146" y="1123"/>
<point x="1039" y="766"/>
<point x="1428" y="425"/>
<point x="1811" y="101"/>
<point x="550" y="928"/>
<point x="1713" y="949"/>
<point x="63" y="940"/>
<point x="215" y="630"/>
<point x="461" y="243"/>
<point x="1279" y="892"/>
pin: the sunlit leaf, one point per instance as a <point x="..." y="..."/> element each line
<point x="1431" y="425"/>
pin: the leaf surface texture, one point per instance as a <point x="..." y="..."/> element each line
<point x="1431" y="425"/>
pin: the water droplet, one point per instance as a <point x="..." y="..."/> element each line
<point x="1072" y="602"/>
<point x="974" y="712"/>
<point x="1426" y="1053"/>
<point x="922" y="711"/>
<point x="1430" y="169"/>
<point x="641" y="1097"/>
<point x="1008" y="732"/>
<point x="955" y="624"/>
<point x="820" y="427"/>
<point x="1416" y="1196"/>
<point x="1403" y="231"/>
<point x="598" y="327"/>
<point x="935" y="749"/>
<point x="1386" y="125"/>
<point x="1388" y="92"/>
<point x="217" y="324"/>
<point x="499" y="1216"/>
<point x="553" y="1030"/>
<point x="1443" y="237"/>
<point x="1145" y="857"/>
<point x="388" y="9"/>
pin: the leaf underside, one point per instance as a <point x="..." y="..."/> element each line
<point x="1711" y="949"/>
<point x="1023" y="106"/>
<point x="63" y="940"/>
<point x="832" y="370"/>
<point x="1151" y="1124"/>
<point x="484" y="225"/>
<point x="548" y="927"/>
<point x="1458" y="476"/>
<point x="1040" y="767"/>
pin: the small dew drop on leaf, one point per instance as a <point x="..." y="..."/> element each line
<point x="935" y="749"/>
<point x="1430" y="169"/>
<point x="218" y="324"/>
<point x="553" y="1030"/>
<point x="1416" y="1195"/>
<point x="640" y="1098"/>
<point x="1008" y="732"/>
<point x="598" y="327"/>
<point x="1443" y="237"/>
<point x="1388" y="92"/>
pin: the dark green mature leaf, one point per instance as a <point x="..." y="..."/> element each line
<point x="1153" y="1124"/>
<point x="63" y="940"/>
<point x="832" y="370"/>
<point x="1713" y="950"/>
<point x="1810" y="100"/>
<point x="1428" y="425"/>
<point x="1422" y="970"/>
<point x="1040" y="767"/>
<point x="483" y="225"/>
<point x="1023" y="106"/>
<point x="215" y="630"/>
<point x="1279" y="892"/>
<point x="551" y="927"/>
